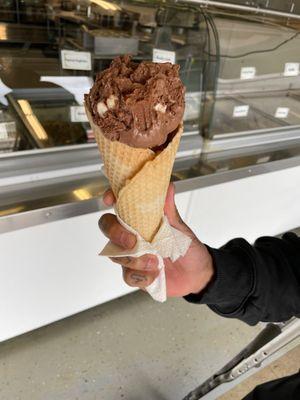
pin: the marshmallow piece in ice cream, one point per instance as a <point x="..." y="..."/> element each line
<point x="160" y="108"/>
<point x="101" y="108"/>
<point x="111" y="101"/>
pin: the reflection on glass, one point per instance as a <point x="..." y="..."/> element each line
<point x="3" y="32"/>
<point x="106" y="5"/>
<point x="227" y="59"/>
<point x="82" y="194"/>
<point x="258" y="69"/>
<point x="12" y="210"/>
<point x="32" y="120"/>
<point x="25" y="106"/>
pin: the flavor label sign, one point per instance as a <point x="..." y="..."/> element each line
<point x="282" y="112"/>
<point x="248" y="73"/>
<point x="3" y="131"/>
<point x="78" y="114"/>
<point x="291" y="69"/>
<point x="240" y="111"/>
<point x="80" y="60"/>
<point x="6" y="128"/>
<point x="163" y="56"/>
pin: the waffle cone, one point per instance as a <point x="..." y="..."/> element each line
<point x="121" y="162"/>
<point x="139" y="179"/>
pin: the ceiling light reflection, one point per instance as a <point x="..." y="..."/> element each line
<point x="35" y="124"/>
<point x="106" y="5"/>
<point x="82" y="194"/>
<point x="3" y="32"/>
<point x="10" y="211"/>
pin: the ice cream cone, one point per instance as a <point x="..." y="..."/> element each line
<point x="139" y="179"/>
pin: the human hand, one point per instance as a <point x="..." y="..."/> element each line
<point x="189" y="274"/>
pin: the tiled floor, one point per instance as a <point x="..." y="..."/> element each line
<point x="130" y="349"/>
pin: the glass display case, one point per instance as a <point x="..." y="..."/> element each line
<point x="236" y="168"/>
<point x="241" y="71"/>
<point x="51" y="117"/>
<point x="8" y="131"/>
<point x="257" y="89"/>
<point x="44" y="58"/>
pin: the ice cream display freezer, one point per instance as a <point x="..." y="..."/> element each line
<point x="236" y="171"/>
<point x="51" y="202"/>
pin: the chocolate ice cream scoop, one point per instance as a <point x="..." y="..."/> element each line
<point x="137" y="104"/>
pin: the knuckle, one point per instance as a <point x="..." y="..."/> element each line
<point x="122" y="236"/>
<point x="147" y="262"/>
<point x="125" y="238"/>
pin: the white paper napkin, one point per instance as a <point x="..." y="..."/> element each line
<point x="167" y="243"/>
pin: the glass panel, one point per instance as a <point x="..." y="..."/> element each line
<point x="258" y="79"/>
<point x="241" y="71"/>
<point x="51" y="50"/>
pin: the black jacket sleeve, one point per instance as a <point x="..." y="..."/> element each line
<point x="287" y="388"/>
<point x="255" y="283"/>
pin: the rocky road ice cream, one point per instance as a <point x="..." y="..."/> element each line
<point x="137" y="104"/>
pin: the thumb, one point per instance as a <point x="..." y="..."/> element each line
<point x="170" y="208"/>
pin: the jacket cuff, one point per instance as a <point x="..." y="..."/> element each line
<point x="233" y="282"/>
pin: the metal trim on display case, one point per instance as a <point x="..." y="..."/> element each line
<point x="44" y="215"/>
<point x="232" y="175"/>
<point x="246" y="139"/>
<point x="240" y="7"/>
<point x="36" y="165"/>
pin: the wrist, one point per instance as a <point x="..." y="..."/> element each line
<point x="206" y="274"/>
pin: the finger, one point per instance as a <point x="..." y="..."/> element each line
<point x="109" y="198"/>
<point x="147" y="262"/>
<point x="112" y="229"/>
<point x="170" y="208"/>
<point x="138" y="279"/>
<point x="172" y="213"/>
